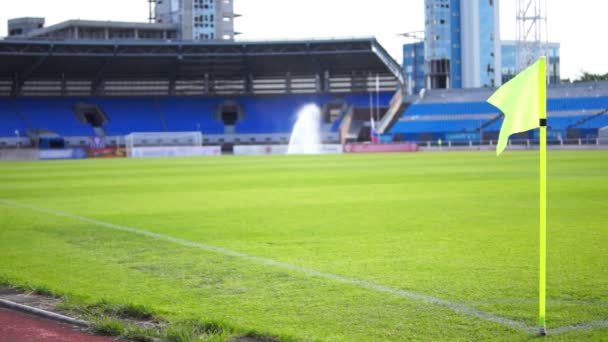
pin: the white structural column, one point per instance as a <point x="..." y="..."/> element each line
<point x="497" y="48"/>
<point x="469" y="35"/>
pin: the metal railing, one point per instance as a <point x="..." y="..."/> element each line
<point x="521" y="144"/>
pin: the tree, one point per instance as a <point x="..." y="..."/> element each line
<point x="589" y="77"/>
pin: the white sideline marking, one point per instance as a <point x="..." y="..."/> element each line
<point x="583" y="326"/>
<point x="457" y="307"/>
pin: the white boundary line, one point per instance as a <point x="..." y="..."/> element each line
<point x="456" y="307"/>
<point x="583" y="326"/>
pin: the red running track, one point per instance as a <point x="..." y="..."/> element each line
<point x="20" y="327"/>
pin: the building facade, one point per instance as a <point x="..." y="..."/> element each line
<point x="199" y="19"/>
<point x="461" y="46"/>
<point x="509" y="61"/>
<point x="94" y="30"/>
<point x="413" y="61"/>
<point x="173" y="19"/>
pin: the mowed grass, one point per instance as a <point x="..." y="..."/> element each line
<point x="461" y="227"/>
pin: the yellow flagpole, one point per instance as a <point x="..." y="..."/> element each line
<point x="543" y="200"/>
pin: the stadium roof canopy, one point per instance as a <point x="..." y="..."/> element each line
<point x="23" y="60"/>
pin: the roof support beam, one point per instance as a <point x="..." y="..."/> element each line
<point x="16" y="86"/>
<point x="19" y="79"/>
<point x="97" y="82"/>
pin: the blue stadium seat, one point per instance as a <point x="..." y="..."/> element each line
<point x="191" y="114"/>
<point x="578" y="103"/>
<point x="10" y="121"/>
<point x="597" y="122"/>
<point x="129" y="115"/>
<point x="54" y="114"/>
<point x="451" y="108"/>
<point x="421" y="126"/>
<point x="587" y="106"/>
<point x="274" y="114"/>
<point x="262" y="114"/>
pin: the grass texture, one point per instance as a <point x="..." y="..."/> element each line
<point x="459" y="227"/>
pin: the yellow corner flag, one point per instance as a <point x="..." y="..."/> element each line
<point x="523" y="102"/>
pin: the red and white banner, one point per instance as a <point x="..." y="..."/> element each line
<point x="107" y="152"/>
<point x="381" y="148"/>
<point x="281" y="149"/>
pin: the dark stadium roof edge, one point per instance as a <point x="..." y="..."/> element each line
<point x="128" y="59"/>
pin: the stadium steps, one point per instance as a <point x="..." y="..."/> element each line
<point x="396" y="108"/>
<point x="344" y="109"/>
<point x="22" y="122"/>
<point x="10" y="121"/>
<point x="345" y="124"/>
<point x="588" y="118"/>
<point x="489" y="122"/>
<point x="24" y="119"/>
<point x="160" y="114"/>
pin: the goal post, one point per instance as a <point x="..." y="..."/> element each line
<point x="167" y="144"/>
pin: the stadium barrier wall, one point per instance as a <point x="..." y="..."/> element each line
<point x="380" y="148"/>
<point x="19" y="154"/>
<point x="106" y="152"/>
<point x="175" y="151"/>
<point x="252" y="150"/>
<point x="64" y="153"/>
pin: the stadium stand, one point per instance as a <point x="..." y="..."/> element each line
<point x="573" y="110"/>
<point x="221" y="89"/>
<point x="260" y="114"/>
<point x="253" y="89"/>
<point x="10" y="120"/>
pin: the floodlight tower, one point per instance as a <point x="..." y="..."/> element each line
<point x="531" y="35"/>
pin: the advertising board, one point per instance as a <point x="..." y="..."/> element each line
<point x="380" y="148"/>
<point x="175" y="151"/>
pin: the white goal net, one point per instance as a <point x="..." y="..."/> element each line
<point x="166" y="144"/>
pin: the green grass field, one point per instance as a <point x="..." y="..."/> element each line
<point x="426" y="246"/>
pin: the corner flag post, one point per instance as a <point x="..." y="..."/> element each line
<point x="542" y="104"/>
<point x="523" y="101"/>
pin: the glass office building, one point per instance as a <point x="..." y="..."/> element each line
<point x="413" y="61"/>
<point x="509" y="61"/>
<point x="461" y="46"/>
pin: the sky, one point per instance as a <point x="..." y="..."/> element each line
<point x="576" y="26"/>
